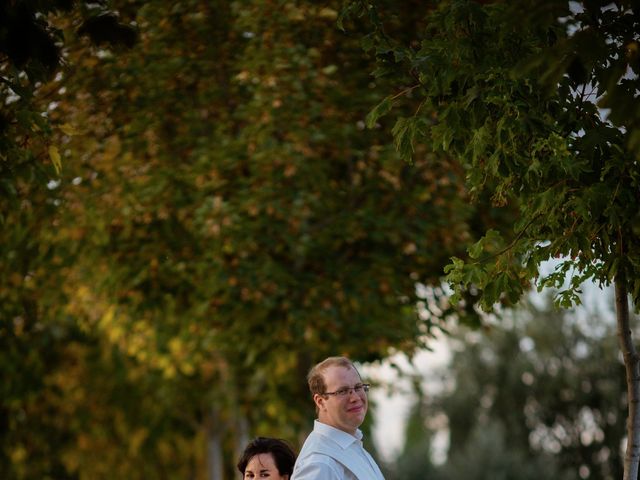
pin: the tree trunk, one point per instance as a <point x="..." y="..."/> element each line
<point x="214" y="447"/>
<point x="242" y="434"/>
<point x="632" y="367"/>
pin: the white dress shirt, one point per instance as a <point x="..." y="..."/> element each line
<point x="331" y="454"/>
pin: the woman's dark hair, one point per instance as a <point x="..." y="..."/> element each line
<point x="282" y="453"/>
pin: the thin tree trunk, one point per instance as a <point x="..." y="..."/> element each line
<point x="214" y="447"/>
<point x="632" y="367"/>
<point x="242" y="433"/>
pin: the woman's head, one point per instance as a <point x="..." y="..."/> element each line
<point x="267" y="458"/>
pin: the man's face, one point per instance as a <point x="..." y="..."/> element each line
<point x="343" y="412"/>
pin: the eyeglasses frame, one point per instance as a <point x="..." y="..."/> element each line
<point x="365" y="388"/>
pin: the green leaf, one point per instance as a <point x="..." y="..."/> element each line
<point x="476" y="249"/>
<point x="378" y="111"/>
<point x="404" y="134"/>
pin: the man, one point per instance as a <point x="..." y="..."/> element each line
<point x="333" y="451"/>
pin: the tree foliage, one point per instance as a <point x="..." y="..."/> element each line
<point x="515" y="92"/>
<point x="222" y="220"/>
<point x="31" y="52"/>
<point x="516" y="97"/>
<point x="528" y="397"/>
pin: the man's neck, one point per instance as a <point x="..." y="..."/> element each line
<point x="350" y="432"/>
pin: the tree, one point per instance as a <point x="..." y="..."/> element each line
<point x="38" y="339"/>
<point x="31" y="52"/>
<point x="514" y="92"/>
<point x="252" y="206"/>
<point x="528" y="397"/>
<point x="224" y="219"/>
<point x="415" y="459"/>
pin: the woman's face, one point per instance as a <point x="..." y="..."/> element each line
<point x="263" y="465"/>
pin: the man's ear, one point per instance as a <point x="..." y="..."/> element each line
<point x="318" y="400"/>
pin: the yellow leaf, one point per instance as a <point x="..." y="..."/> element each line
<point x="136" y="439"/>
<point x="328" y="13"/>
<point x="330" y="69"/>
<point x="18" y="455"/>
<point x="175" y="346"/>
<point x="108" y="317"/>
<point x="55" y="158"/>
<point x="68" y="129"/>
<point x="188" y="368"/>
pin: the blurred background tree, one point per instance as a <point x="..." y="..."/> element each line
<point x="38" y="341"/>
<point x="199" y="219"/>
<point x="525" y="398"/>
<point x="31" y="52"/>
<point x="539" y="103"/>
<point x="219" y="220"/>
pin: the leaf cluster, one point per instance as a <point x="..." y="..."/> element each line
<point x="517" y="99"/>
<point x="32" y="51"/>
<point x="223" y="219"/>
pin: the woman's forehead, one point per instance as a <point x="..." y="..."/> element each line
<point x="261" y="461"/>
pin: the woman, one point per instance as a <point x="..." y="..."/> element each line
<point x="267" y="458"/>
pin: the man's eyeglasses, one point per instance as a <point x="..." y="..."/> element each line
<point x="343" y="392"/>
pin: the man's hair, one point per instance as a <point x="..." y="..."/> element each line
<point x="315" y="378"/>
<point x="282" y="453"/>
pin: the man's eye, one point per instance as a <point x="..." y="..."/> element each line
<point x="343" y="391"/>
<point x="358" y="388"/>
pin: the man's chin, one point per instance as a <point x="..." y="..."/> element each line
<point x="358" y="414"/>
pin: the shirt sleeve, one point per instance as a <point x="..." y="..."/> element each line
<point x="316" y="470"/>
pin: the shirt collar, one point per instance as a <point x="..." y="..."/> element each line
<point x="343" y="439"/>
